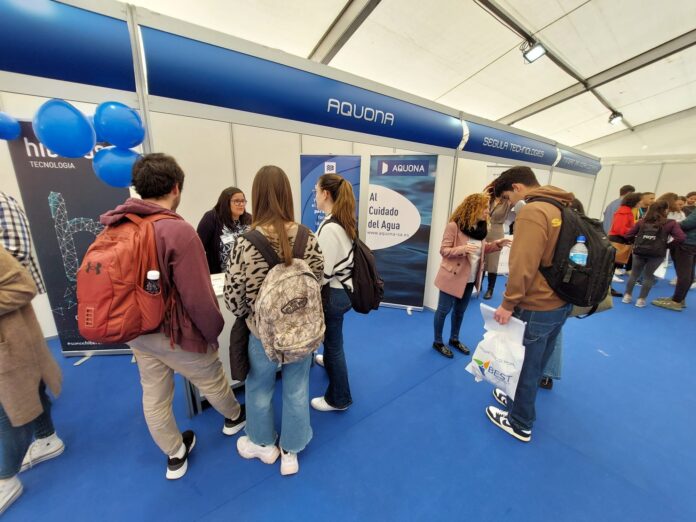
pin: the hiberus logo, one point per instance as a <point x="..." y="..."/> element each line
<point x="359" y="112"/>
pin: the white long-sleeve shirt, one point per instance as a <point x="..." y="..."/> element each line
<point x="337" y="248"/>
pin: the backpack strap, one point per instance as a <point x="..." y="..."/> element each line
<point x="298" y="250"/>
<point x="560" y="206"/>
<point x="263" y="245"/>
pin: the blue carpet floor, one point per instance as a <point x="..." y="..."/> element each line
<point x="614" y="439"/>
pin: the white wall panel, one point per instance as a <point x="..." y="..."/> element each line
<point x="579" y="184"/>
<point x="255" y="147"/>
<point x="599" y="202"/>
<point x="642" y="177"/>
<point x="679" y="178"/>
<point x="320" y="146"/>
<point x="204" y="151"/>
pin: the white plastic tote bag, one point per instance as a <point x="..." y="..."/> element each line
<point x="499" y="356"/>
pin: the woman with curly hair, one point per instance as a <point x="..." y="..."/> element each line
<point x="463" y="250"/>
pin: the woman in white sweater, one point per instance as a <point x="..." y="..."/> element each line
<point x="336" y="235"/>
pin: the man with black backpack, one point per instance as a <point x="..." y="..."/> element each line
<point x="528" y="294"/>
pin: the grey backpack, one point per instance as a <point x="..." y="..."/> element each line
<point x="289" y="316"/>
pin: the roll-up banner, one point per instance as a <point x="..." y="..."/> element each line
<point x="63" y="200"/>
<point x="398" y="224"/>
<point x="311" y="169"/>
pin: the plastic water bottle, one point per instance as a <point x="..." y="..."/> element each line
<point x="578" y="254"/>
<point x="152" y="283"/>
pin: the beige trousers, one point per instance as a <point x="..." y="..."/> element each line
<point x="157" y="362"/>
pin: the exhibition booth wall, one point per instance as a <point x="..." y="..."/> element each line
<point x="219" y="145"/>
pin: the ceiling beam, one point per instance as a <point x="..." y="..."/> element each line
<point x="609" y="75"/>
<point x="343" y="27"/>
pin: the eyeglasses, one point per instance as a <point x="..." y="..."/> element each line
<point x="239" y="201"/>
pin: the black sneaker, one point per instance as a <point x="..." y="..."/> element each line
<point x="176" y="468"/>
<point x="443" y="350"/>
<point x="500" y="419"/>
<point x="233" y="426"/>
<point x="488" y="294"/>
<point x="459" y="346"/>
<point x="502" y="397"/>
<point x="546" y="383"/>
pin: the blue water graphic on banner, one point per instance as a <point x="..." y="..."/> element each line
<point x="398" y="227"/>
<point x="311" y="169"/>
<point x="499" y="143"/>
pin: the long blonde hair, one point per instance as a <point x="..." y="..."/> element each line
<point x="468" y="213"/>
<point x="271" y="202"/>
<point x="343" y="201"/>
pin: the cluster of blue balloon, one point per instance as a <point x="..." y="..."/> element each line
<point x="9" y="127"/>
<point x="66" y="131"/>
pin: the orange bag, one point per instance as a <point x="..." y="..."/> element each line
<point x="112" y="304"/>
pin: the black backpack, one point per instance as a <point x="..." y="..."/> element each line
<point x="650" y="241"/>
<point x="579" y="285"/>
<point x="368" y="286"/>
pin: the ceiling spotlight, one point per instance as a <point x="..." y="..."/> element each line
<point x="532" y="51"/>
<point x="615" y="118"/>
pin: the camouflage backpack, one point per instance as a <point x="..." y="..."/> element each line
<point x="289" y="316"/>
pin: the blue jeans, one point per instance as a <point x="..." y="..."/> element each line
<point x="259" y="387"/>
<point x="553" y="367"/>
<point x="539" y="340"/>
<point x="338" y="392"/>
<point x="15" y="441"/>
<point x="444" y="305"/>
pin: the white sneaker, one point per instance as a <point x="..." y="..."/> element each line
<point x="249" y="450"/>
<point x="620" y="271"/>
<point x="42" y="449"/>
<point x="320" y="404"/>
<point x="627" y="298"/>
<point x="640" y="303"/>
<point x="10" y="490"/>
<point x="288" y="463"/>
<point x="319" y="359"/>
<point x="693" y="286"/>
<point x="617" y="279"/>
<point x="673" y="282"/>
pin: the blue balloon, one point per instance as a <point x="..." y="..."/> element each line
<point x="9" y="127"/>
<point x="64" y="129"/>
<point x="114" y="166"/>
<point x="100" y="139"/>
<point x="119" y="124"/>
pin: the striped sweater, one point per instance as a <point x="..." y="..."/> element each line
<point x="337" y="248"/>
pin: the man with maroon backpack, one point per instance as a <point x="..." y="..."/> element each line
<point x="187" y="338"/>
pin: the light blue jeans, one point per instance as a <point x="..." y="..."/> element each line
<point x="296" y="431"/>
<point x="553" y="367"/>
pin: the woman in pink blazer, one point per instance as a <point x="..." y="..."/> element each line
<point x="463" y="249"/>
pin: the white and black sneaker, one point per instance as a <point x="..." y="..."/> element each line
<point x="177" y="466"/>
<point x="500" y="419"/>
<point x="502" y="397"/>
<point x="232" y="427"/>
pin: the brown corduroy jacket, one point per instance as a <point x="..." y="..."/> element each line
<point x="24" y="356"/>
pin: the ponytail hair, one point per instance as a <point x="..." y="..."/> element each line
<point x="343" y="202"/>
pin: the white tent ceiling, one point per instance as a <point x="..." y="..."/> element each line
<point x="458" y="53"/>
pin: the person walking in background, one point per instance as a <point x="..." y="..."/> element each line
<point x="220" y="227"/>
<point x="271" y="198"/>
<point x="27" y="369"/>
<point x="187" y="340"/>
<point x="463" y="250"/>
<point x="650" y="235"/>
<point x="336" y="234"/>
<point x="624" y="219"/>
<point x="614" y="206"/>
<point x="499" y="214"/>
